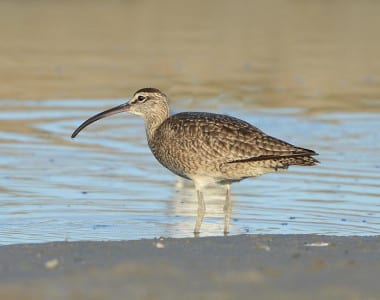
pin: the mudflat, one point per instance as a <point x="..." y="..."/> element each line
<point x="235" y="267"/>
<point x="309" y="55"/>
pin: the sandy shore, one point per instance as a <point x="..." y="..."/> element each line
<point x="268" y="266"/>
<point x="266" y="51"/>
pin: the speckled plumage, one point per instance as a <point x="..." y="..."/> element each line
<point x="222" y="147"/>
<point x="208" y="148"/>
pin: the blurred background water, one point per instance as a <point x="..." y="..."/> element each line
<point x="305" y="72"/>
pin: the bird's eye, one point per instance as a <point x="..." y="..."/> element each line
<point x="140" y="98"/>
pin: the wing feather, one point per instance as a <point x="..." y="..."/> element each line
<point x="224" y="139"/>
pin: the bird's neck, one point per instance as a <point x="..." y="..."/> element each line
<point x="153" y="121"/>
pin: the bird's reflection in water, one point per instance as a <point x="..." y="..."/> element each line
<point x="184" y="204"/>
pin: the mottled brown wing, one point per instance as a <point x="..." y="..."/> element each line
<point x="227" y="139"/>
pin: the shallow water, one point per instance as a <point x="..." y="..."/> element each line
<point x="106" y="185"/>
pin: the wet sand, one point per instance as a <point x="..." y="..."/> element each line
<point x="277" y="53"/>
<point x="263" y="266"/>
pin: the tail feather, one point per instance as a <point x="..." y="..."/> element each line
<point x="302" y="159"/>
<point x="239" y="170"/>
<point x="285" y="162"/>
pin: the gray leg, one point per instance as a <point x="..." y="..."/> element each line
<point x="201" y="212"/>
<point x="227" y="209"/>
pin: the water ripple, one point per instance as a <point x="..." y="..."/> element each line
<point x="106" y="185"/>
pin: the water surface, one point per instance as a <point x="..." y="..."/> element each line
<point x="106" y="185"/>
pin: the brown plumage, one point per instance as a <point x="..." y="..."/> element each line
<point x="226" y="148"/>
<point x="208" y="148"/>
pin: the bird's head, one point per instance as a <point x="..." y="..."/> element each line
<point x="146" y="102"/>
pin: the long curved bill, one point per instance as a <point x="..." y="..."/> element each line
<point x="106" y="113"/>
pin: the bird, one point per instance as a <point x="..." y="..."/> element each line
<point x="207" y="148"/>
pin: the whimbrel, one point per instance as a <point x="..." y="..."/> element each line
<point x="207" y="148"/>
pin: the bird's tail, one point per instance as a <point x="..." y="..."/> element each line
<point x="294" y="160"/>
<point x="285" y="162"/>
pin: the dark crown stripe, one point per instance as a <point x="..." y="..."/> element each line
<point x="148" y="90"/>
